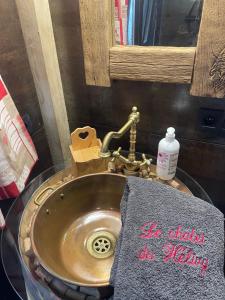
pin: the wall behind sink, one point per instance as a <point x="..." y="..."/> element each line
<point x="161" y="105"/>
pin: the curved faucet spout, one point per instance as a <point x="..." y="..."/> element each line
<point x="132" y="121"/>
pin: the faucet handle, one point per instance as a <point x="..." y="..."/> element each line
<point x="117" y="152"/>
<point x="145" y="167"/>
<point x="145" y="161"/>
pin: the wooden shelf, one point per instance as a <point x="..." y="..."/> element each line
<point x="164" y="64"/>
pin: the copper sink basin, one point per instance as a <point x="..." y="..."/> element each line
<point x="74" y="232"/>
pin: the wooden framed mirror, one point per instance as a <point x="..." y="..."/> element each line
<point x="202" y="66"/>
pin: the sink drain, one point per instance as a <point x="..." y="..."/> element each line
<point x="101" y="244"/>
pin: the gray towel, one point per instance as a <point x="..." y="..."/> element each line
<point x="171" y="246"/>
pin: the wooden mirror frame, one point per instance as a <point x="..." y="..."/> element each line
<point x="203" y="66"/>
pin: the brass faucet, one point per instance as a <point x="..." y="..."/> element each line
<point x="131" y="165"/>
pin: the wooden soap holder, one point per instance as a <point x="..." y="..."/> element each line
<point x="85" y="144"/>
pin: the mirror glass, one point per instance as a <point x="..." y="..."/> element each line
<point x="157" y="22"/>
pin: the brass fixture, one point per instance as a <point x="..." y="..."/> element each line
<point x="81" y="230"/>
<point x="131" y="123"/>
<point x="131" y="165"/>
<point x="101" y="244"/>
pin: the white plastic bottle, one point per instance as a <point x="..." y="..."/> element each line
<point x="167" y="158"/>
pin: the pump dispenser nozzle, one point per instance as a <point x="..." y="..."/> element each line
<point x="170" y="133"/>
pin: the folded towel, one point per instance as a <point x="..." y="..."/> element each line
<point x="171" y="246"/>
<point x="17" y="151"/>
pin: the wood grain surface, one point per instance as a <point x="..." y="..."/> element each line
<point x="37" y="29"/>
<point x="162" y="64"/>
<point x="97" y="37"/>
<point x="209" y="69"/>
<point x="67" y="31"/>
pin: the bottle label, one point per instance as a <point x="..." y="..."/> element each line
<point x="167" y="162"/>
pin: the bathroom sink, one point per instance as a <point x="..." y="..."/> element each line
<point x="74" y="232"/>
<point x="71" y="225"/>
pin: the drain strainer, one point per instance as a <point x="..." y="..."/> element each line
<point x="101" y="244"/>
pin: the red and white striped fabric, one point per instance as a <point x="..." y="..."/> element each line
<point x="17" y="151"/>
<point x="2" y="220"/>
<point x="120" y="20"/>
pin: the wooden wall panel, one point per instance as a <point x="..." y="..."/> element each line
<point x="38" y="34"/>
<point x="162" y="64"/>
<point x="160" y="105"/>
<point x="67" y="32"/>
<point x="97" y="37"/>
<point x="14" y="64"/>
<point x="209" y="69"/>
<point x="44" y="156"/>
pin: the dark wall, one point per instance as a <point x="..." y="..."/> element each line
<point x="161" y="105"/>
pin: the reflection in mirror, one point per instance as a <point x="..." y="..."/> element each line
<point x="157" y="22"/>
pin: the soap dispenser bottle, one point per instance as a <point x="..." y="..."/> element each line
<point x="167" y="158"/>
